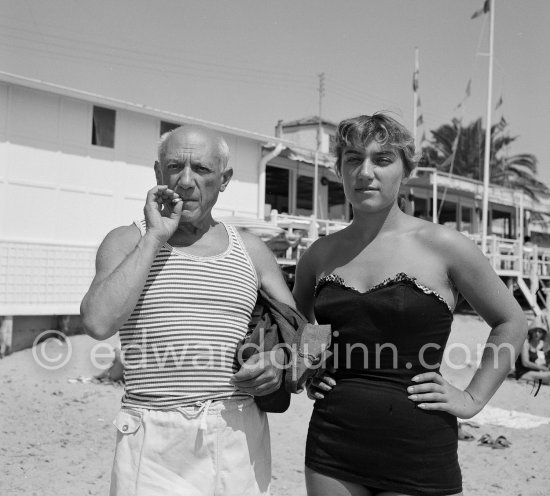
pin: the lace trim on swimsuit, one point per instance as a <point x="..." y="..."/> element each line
<point x="400" y="277"/>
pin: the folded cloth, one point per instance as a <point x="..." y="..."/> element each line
<point x="275" y="324"/>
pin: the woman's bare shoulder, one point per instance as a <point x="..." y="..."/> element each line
<point x="321" y="251"/>
<point x="437" y="235"/>
<point x="325" y="245"/>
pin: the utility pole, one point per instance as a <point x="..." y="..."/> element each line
<point x="321" y="90"/>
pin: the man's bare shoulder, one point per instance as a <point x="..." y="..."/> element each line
<point x="256" y="248"/>
<point x="121" y="239"/>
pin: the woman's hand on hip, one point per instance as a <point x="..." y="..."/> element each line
<point x="431" y="391"/>
<point x="318" y="386"/>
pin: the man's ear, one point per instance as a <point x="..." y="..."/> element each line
<point x="227" y="174"/>
<point x="158" y="173"/>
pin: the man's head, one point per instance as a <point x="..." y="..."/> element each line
<point x="193" y="161"/>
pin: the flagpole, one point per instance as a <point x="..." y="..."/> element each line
<point x="415" y="101"/>
<point x="487" y="158"/>
<point x="318" y="148"/>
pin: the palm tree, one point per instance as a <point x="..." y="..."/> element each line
<point x="468" y="144"/>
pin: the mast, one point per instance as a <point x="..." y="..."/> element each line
<point x="318" y="148"/>
<point x="487" y="158"/>
<point x="415" y="101"/>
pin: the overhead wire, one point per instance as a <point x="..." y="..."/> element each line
<point x="154" y="68"/>
<point x="74" y="44"/>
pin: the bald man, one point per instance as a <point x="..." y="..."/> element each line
<point x="180" y="287"/>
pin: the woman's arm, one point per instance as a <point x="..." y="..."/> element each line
<point x="304" y="284"/>
<point x="303" y="292"/>
<point x="487" y="294"/>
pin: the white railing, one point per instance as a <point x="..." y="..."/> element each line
<point x="510" y="257"/>
<point x="314" y="228"/>
<point x="301" y="231"/>
<point x="43" y="278"/>
<point x="507" y="256"/>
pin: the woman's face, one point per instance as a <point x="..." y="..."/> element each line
<point x="371" y="176"/>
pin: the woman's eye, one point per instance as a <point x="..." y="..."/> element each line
<point x="353" y="160"/>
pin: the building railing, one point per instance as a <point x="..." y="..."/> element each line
<point x="506" y="256"/>
<point x="44" y="278"/>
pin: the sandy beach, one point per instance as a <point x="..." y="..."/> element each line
<point x="56" y="435"/>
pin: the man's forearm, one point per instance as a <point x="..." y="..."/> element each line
<point x="110" y="301"/>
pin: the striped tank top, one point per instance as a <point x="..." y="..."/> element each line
<point x="179" y="343"/>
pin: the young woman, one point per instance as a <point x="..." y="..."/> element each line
<point x="388" y="283"/>
<point x="531" y="363"/>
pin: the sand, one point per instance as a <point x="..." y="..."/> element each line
<point x="56" y="437"/>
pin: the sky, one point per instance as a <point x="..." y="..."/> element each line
<point x="249" y="63"/>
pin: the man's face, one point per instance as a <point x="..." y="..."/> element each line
<point x="191" y="167"/>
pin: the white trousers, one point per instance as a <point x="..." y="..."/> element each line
<point x="219" y="448"/>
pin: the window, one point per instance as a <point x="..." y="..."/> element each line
<point x="167" y="126"/>
<point x="277" y="183"/>
<point x="304" y="195"/>
<point x="501" y="223"/>
<point x="466" y="220"/>
<point x="103" y="127"/>
<point x="422" y="208"/>
<point x="336" y="201"/>
<point x="446" y="214"/>
<point x="331" y="143"/>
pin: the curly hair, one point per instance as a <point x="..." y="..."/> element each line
<point x="361" y="130"/>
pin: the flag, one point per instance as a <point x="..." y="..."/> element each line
<point x="499" y="103"/>
<point x="468" y="92"/>
<point x="451" y="158"/>
<point x="419" y="118"/>
<point x="415" y="79"/>
<point x="483" y="10"/>
<point x="502" y="123"/>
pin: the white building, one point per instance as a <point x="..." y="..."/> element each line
<point x="74" y="165"/>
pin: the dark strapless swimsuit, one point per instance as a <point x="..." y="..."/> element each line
<point x="520" y="369"/>
<point x="366" y="430"/>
